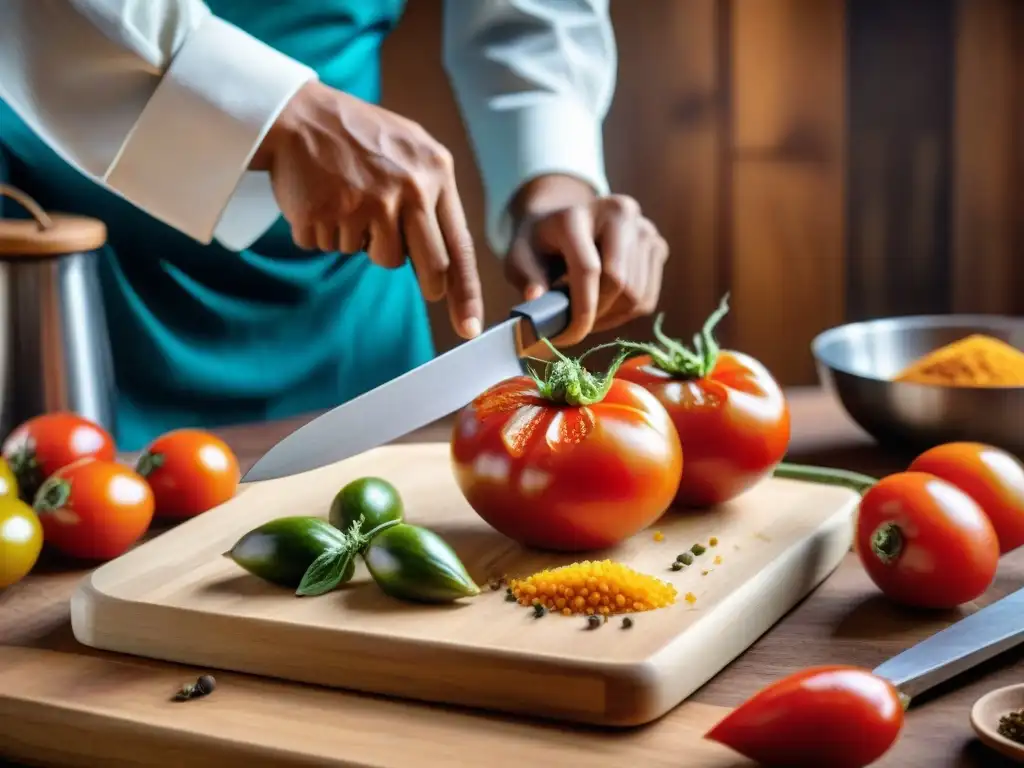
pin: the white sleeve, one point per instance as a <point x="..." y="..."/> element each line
<point x="534" y="80"/>
<point x="157" y="100"/>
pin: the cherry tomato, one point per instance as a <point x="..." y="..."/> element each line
<point x="8" y="482"/>
<point x="834" y="716"/>
<point x="731" y="415"/>
<point x="990" y="476"/>
<point x="21" y="540"/>
<point x="94" y="509"/>
<point x="190" y="472"/>
<point x="563" y="477"/>
<point x="924" y="542"/>
<point x="43" y="444"/>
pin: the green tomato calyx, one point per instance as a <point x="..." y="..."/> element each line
<point x="566" y="381"/>
<point x="674" y="357"/>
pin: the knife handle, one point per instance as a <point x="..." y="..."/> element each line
<point x="549" y="315"/>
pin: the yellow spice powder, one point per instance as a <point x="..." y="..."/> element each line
<point x="659" y="536"/>
<point x="593" y="587"/>
<point x="974" y="361"/>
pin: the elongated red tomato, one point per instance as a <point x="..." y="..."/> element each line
<point x="94" y="509"/>
<point x="924" y="542"/>
<point x="990" y="476"/>
<point x="730" y="413"/>
<point x="821" y="717"/>
<point x="40" y="446"/>
<point x="190" y="471"/>
<point x="561" y="476"/>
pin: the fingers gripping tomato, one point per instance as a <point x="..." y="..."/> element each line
<point x="190" y="471"/>
<point x="990" y="476"/>
<point x="574" y="461"/>
<point x="730" y="413"/>
<point x="924" y="542"/>
<point x="834" y="717"/>
<point x="44" y="444"/>
<point x="94" y="509"/>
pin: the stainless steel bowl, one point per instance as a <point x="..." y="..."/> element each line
<point x="858" y="360"/>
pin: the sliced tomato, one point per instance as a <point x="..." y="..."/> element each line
<point x="991" y="476"/>
<point x="558" y="467"/>
<point x="830" y="716"/>
<point x="94" y="509"/>
<point x="190" y="471"/>
<point x="43" y="444"/>
<point x="730" y="413"/>
<point x="924" y="542"/>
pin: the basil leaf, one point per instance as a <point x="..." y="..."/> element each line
<point x="326" y="572"/>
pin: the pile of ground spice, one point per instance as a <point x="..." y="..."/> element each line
<point x="593" y="587"/>
<point x="975" y="361"/>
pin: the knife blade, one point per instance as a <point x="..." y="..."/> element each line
<point x="429" y="392"/>
<point x="970" y="641"/>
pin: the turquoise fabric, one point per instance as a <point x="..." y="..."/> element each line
<point x="203" y="336"/>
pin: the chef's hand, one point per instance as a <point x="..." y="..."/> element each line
<point x="350" y="175"/>
<point x="614" y="255"/>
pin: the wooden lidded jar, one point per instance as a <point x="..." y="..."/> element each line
<point x="54" y="347"/>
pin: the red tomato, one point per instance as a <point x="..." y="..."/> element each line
<point x="94" y="509"/>
<point x="990" y="476"/>
<point x="562" y="477"/>
<point x="925" y="542"/>
<point x="190" y="472"/>
<point x="834" y="717"/>
<point x="44" y="444"/>
<point x="733" y="423"/>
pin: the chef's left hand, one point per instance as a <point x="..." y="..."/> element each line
<point x="614" y="255"/>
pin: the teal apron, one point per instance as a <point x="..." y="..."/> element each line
<point x="203" y="336"/>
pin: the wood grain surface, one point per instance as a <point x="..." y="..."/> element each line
<point x="843" y="621"/>
<point x="178" y="598"/>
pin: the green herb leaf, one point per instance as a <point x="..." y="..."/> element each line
<point x="326" y="572"/>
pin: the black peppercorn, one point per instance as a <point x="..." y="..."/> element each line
<point x="203" y="686"/>
<point x="627" y="623"/>
<point x="539" y="610"/>
<point x="593" y="622"/>
<point x="676" y="566"/>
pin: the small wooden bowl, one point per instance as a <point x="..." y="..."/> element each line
<point x="985" y="716"/>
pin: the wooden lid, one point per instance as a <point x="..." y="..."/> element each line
<point x="46" y="234"/>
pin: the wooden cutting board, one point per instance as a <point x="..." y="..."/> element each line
<point x="177" y="598"/>
<point x="73" y="710"/>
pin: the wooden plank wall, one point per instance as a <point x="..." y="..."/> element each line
<point x="821" y="160"/>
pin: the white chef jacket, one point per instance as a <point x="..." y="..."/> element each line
<point x="165" y="104"/>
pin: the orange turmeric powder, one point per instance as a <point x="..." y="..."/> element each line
<point x="974" y="361"/>
<point x="592" y="587"/>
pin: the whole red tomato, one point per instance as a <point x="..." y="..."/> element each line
<point x="572" y="462"/>
<point x="190" y="472"/>
<point x="990" y="476"/>
<point x="94" y="509"/>
<point x="924" y="542"/>
<point x="731" y="415"/>
<point x="43" y="444"/>
<point x="834" y="716"/>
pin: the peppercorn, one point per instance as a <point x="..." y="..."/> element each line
<point x="676" y="566"/>
<point x="593" y="622"/>
<point x="539" y="610"/>
<point x="698" y="549"/>
<point x="203" y="686"/>
<point x="1011" y="725"/>
<point x="627" y="622"/>
<point x="686" y="558"/>
<point x="510" y="598"/>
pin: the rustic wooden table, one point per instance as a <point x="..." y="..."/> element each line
<point x="843" y="621"/>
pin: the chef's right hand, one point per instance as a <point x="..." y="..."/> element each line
<point x="349" y="175"/>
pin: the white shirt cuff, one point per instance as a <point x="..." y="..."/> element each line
<point x="524" y="142"/>
<point x="185" y="160"/>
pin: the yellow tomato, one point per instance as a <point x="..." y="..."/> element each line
<point x="21" y="540"/>
<point x="8" y="482"/>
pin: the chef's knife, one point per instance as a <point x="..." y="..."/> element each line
<point x="970" y="641"/>
<point x="429" y="392"/>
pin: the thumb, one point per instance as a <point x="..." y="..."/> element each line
<point x="524" y="270"/>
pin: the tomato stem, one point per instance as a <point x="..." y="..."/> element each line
<point x="567" y="382"/>
<point x="149" y="463"/>
<point x="855" y="481"/>
<point x="52" y="495"/>
<point x="887" y="542"/>
<point x="674" y="357"/>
